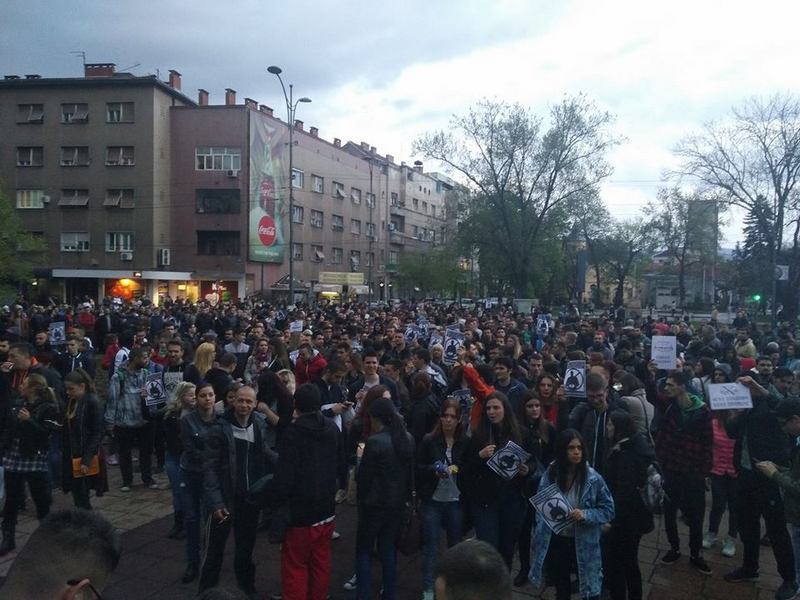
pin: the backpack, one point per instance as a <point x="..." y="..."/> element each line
<point x="652" y="492"/>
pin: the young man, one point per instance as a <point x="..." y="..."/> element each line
<point x="74" y="358"/>
<point x="503" y="382"/>
<point x="370" y="379"/>
<point x="237" y="454"/>
<point x="311" y="460"/>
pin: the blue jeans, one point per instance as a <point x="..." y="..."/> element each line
<point x="377" y="527"/>
<point x="194" y="513"/>
<point x="172" y="467"/>
<point x="499" y="523"/>
<point x="435" y="516"/>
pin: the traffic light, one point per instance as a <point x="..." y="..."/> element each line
<point x="756" y="297"/>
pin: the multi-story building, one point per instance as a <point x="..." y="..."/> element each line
<point x="155" y="194"/>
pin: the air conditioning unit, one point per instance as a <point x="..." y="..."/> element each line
<point x="232" y="173"/>
<point x="46" y="199"/>
<point x="126" y="256"/>
<point x="164" y="257"/>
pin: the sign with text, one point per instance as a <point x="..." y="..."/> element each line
<point x="663" y="351"/>
<point x="727" y="396"/>
<point x="341" y="278"/>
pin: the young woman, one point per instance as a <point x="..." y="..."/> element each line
<point x="202" y="363"/>
<point x="496" y="504"/>
<point x="258" y="360"/>
<point x="25" y="458"/>
<point x="626" y="474"/>
<point x="592" y="506"/>
<point x="383" y="489"/>
<point x="555" y="408"/>
<point x="183" y="403"/>
<point x="83" y="432"/>
<point x="287" y="377"/>
<point x="193" y="426"/>
<point x="543" y="441"/>
<point x="439" y="461"/>
<point x="278" y="355"/>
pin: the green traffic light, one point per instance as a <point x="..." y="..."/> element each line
<point x="756" y="297"/>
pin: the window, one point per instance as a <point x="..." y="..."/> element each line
<point x="398" y="225"/>
<point x="119" y="197"/>
<point x="297" y="251"/>
<point x="74" y="197"/>
<point x="425" y="207"/>
<point x="30" y="113"/>
<point x="414" y="231"/>
<point x="119" y="112"/>
<point x="298" y="179"/>
<point x="393" y="198"/>
<point x="415" y="203"/>
<point x="119" y="156"/>
<point x="336" y="259"/>
<point x="74" y="156"/>
<point x="355" y="226"/>
<point x="370" y="259"/>
<point x="355" y="259"/>
<point x="370" y="200"/>
<point x="394" y="257"/>
<point x="119" y="241"/>
<point x="317" y="253"/>
<point x="217" y="202"/>
<point x="297" y="214"/>
<point x="218" y="243"/>
<point x="30" y="156"/>
<point x="433" y="210"/>
<point x="317" y="184"/>
<point x="439" y="187"/>
<point x="338" y="190"/>
<point x="355" y="195"/>
<point x="74" y="113"/>
<point x="371" y="230"/>
<point x="317" y="218"/>
<point x="217" y="158"/>
<point x="30" y="199"/>
<point x="338" y="222"/>
<point x="75" y="241"/>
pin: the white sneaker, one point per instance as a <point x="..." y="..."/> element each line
<point x="728" y="547"/>
<point x="709" y="539"/>
<point x="351" y="584"/>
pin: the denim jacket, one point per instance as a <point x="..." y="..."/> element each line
<point x="598" y="507"/>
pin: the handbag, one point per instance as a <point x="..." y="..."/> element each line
<point x="409" y="540"/>
<point x="94" y="467"/>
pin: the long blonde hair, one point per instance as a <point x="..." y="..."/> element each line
<point x="204" y="357"/>
<point x="287" y="377"/>
<point x="175" y="405"/>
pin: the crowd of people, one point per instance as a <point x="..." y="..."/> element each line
<point x="264" y="417"/>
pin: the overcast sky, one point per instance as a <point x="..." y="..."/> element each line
<point x="386" y="72"/>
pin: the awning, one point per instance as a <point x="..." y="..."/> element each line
<point x="327" y="287"/>
<point x="361" y="290"/>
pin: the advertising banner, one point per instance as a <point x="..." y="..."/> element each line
<point x="269" y="191"/>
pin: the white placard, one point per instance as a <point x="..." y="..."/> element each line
<point x="554" y="508"/>
<point x="296" y="327"/>
<point x="452" y="342"/>
<point x="663" y="351"/>
<point x="727" y="396"/>
<point x="575" y="379"/>
<point x="156" y="394"/>
<point x="57" y="333"/>
<point x="505" y="462"/>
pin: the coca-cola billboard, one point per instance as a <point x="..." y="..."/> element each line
<point x="267" y="176"/>
<point x="266" y="230"/>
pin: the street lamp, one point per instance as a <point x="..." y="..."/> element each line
<point x="291" y="109"/>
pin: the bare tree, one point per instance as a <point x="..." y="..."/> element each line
<point x="753" y="154"/>
<point x="593" y="223"/>
<point x="519" y="171"/>
<point x="627" y="244"/>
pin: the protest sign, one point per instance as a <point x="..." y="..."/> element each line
<point x="505" y="462"/>
<point x="452" y="342"/>
<point x="156" y="391"/>
<point x="296" y="327"/>
<point x="57" y="332"/>
<point x="663" y="351"/>
<point x="554" y="508"/>
<point x="575" y="379"/>
<point x="727" y="396"/>
<point x="465" y="400"/>
<point x="412" y="333"/>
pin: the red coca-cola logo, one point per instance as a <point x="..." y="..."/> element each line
<point x="266" y="230"/>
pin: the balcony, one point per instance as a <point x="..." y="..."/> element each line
<point x="397" y="238"/>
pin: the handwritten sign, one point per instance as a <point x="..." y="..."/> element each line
<point x="726" y="396"/>
<point x="505" y="462"/>
<point x="296" y="327"/>
<point x="554" y="508"/>
<point x="663" y="351"/>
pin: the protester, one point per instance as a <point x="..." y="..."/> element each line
<point x="183" y="403"/>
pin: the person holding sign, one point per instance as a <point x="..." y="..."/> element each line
<point x="496" y="503"/>
<point x="586" y="491"/>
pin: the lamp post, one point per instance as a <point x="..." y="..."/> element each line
<point x="291" y="109"/>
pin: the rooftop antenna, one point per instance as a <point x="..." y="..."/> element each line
<point x="82" y="54"/>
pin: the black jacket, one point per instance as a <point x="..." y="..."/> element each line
<point x="592" y="427"/>
<point x="382" y="380"/>
<point x="193" y="430"/>
<point x="311" y="459"/>
<point x="383" y="476"/>
<point x="422" y="416"/>
<point x="82" y="436"/>
<point x="626" y="473"/>
<point x="220" y="460"/>
<point x="65" y="363"/>
<point x="765" y="438"/>
<point x="34" y="434"/>
<point x="432" y="450"/>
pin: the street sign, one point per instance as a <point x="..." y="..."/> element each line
<point x="341" y="278"/>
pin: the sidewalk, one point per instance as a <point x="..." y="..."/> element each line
<point x="152" y="565"/>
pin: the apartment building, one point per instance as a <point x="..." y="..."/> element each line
<point x="140" y="191"/>
<point x="86" y="162"/>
